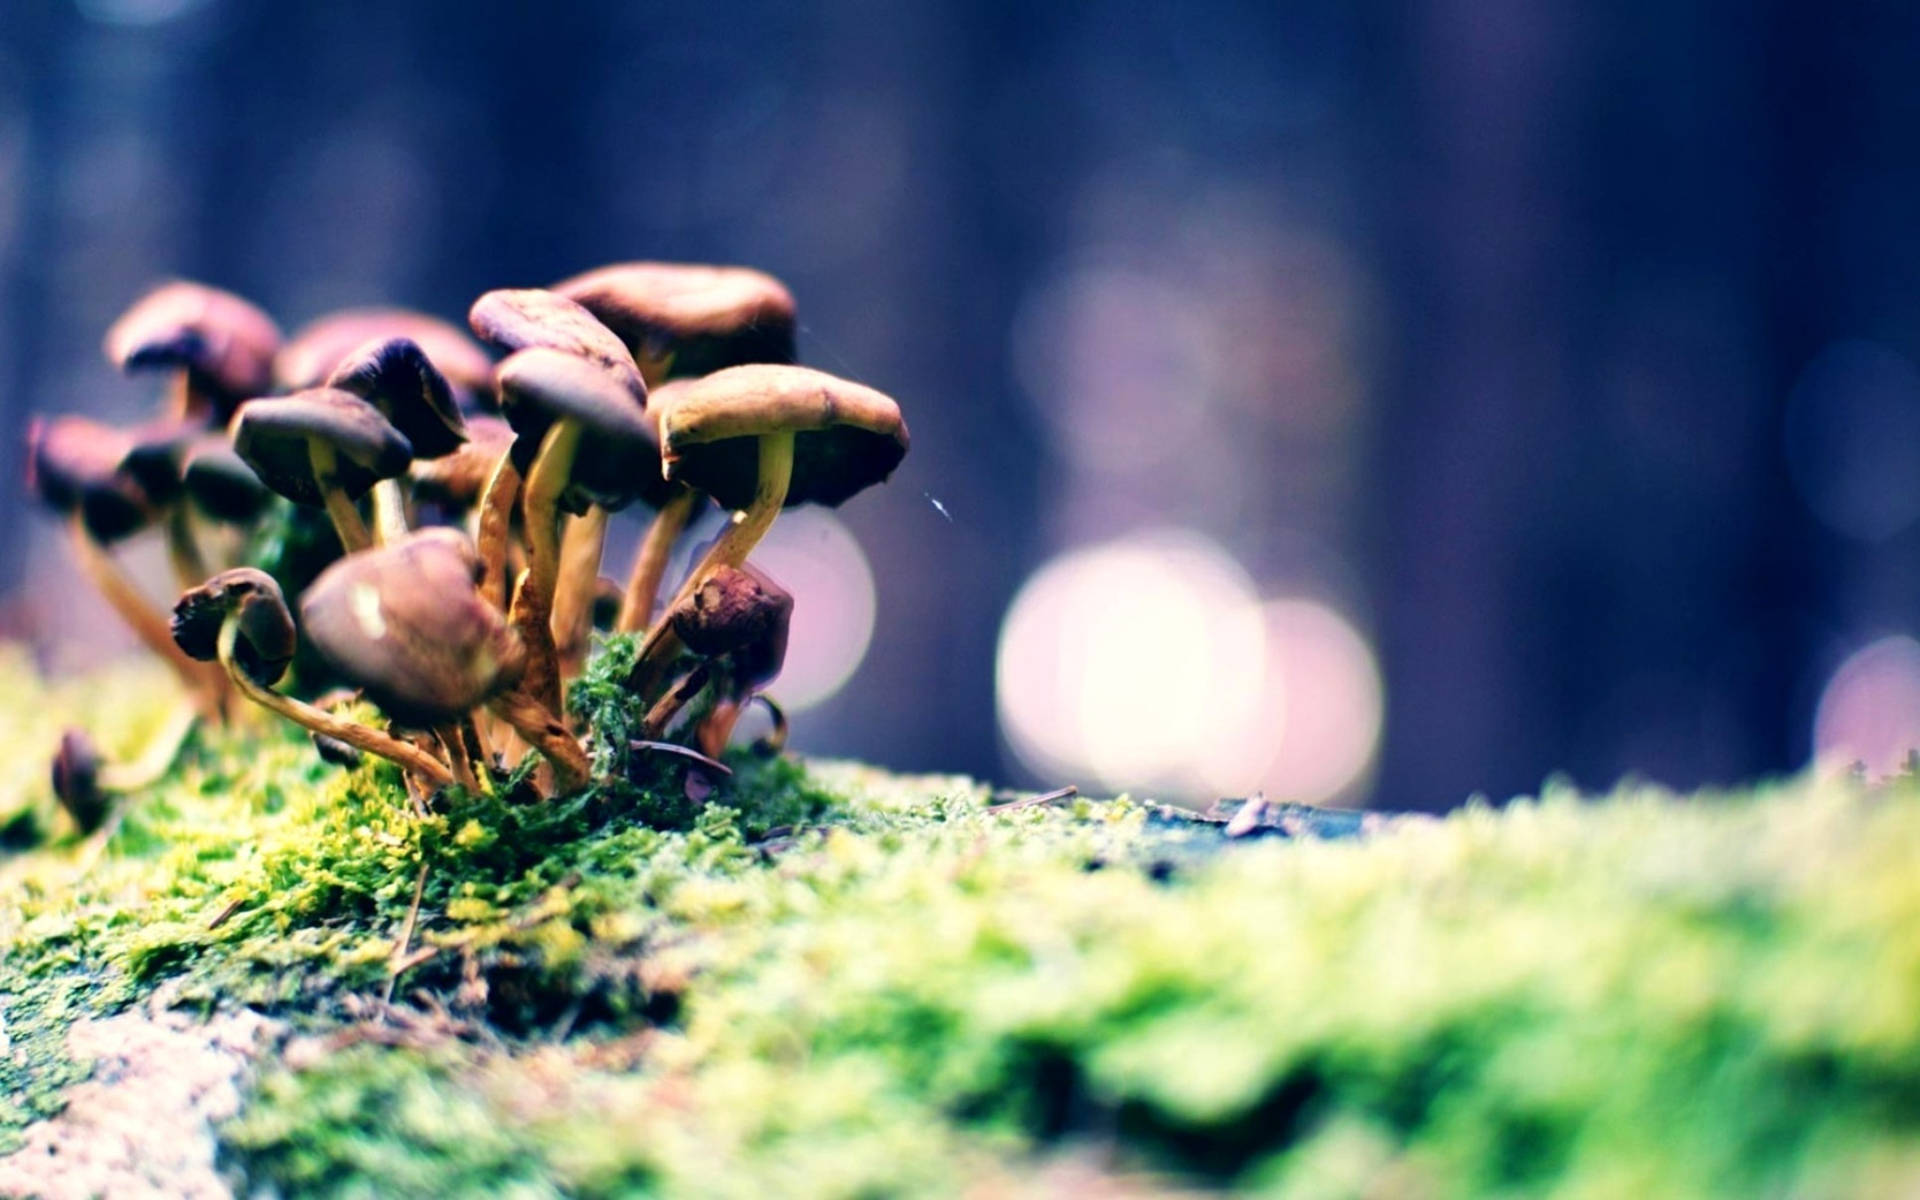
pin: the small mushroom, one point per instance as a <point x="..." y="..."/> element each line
<point x="738" y="620"/>
<point x="84" y="783"/>
<point x="317" y="350"/>
<point x="156" y="460"/>
<point x="566" y="401"/>
<point x="689" y="319"/>
<point x="75" y="466"/>
<point x="322" y="448"/>
<point x="219" y="346"/>
<point x="408" y="625"/>
<point x="523" y="318"/>
<point x="240" y="618"/>
<point x="220" y="483"/>
<point x="760" y="437"/>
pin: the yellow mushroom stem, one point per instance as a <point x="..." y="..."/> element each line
<point x="453" y="741"/>
<point x="543" y="731"/>
<point x="580" y="549"/>
<point x="494" y="528"/>
<point x="653" y="365"/>
<point x="389" y="513"/>
<point x="346" y="516"/>
<point x="650" y="562"/>
<point x="731" y="550"/>
<point x="183" y="549"/>
<point x="531" y="613"/>
<point x="364" y="737"/>
<point x="149" y="624"/>
<point x="156" y="759"/>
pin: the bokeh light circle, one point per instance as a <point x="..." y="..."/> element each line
<point x="1870" y="709"/>
<point x="1132" y="664"/>
<point x="1317" y="730"/>
<point x="813" y="555"/>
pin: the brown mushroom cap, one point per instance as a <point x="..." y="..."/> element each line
<point x="221" y="484"/>
<point x="227" y="343"/>
<point x="74" y="464"/>
<point x="319" y="347"/>
<point x="707" y="317"/>
<point x="267" y="639"/>
<point x="739" y="612"/>
<point x="523" y="318"/>
<point x="618" y="460"/>
<point x="156" y="455"/>
<point x="848" y="436"/>
<point x="457" y="481"/>
<point x="272" y="435"/>
<point x="407" y="623"/>
<point x="396" y="376"/>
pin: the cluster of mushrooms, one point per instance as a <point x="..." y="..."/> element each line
<point x="469" y="500"/>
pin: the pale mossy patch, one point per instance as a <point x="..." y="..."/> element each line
<point x="838" y="982"/>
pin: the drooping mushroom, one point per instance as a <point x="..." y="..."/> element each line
<point x="689" y="319"/>
<point x="396" y="376"/>
<point x="219" y="346"/>
<point x="75" y="466"/>
<point x="596" y="450"/>
<point x="84" y="782"/>
<point x="319" y="347"/>
<point x="407" y="624"/>
<point x="240" y="619"/>
<point x="322" y="448"/>
<point x="760" y="437"/>
<point x="737" y="620"/>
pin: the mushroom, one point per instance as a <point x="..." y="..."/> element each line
<point x="219" y="346"/>
<point x="317" y="350"/>
<point x="738" y="620"/>
<point x="396" y="376"/>
<point x="83" y="782"/>
<point x="456" y="482"/>
<point x="763" y="436"/>
<point x="670" y="520"/>
<point x="74" y="465"/>
<point x="407" y="624"/>
<point x="689" y="318"/>
<point x="520" y="319"/>
<point x="567" y="403"/>
<point x="240" y="618"/>
<point x="221" y="484"/>
<point x="321" y="448"/>
<point x="156" y="460"/>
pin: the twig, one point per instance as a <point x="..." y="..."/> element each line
<point x="1248" y="819"/>
<point x="221" y="918"/>
<point x="1036" y="800"/>
<point x="406" y="933"/>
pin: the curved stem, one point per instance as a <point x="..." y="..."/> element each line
<point x="183" y="550"/>
<point x="536" y="722"/>
<point x="365" y="737"/>
<point x="148" y="623"/>
<point x="346" y="516"/>
<point x="389" y="513"/>
<point x="454" y="742"/>
<point x="650" y="562"/>
<point x="749" y="526"/>
<point x="580" y="548"/>
<point x="494" y="528"/>
<point x="531" y="612"/>
<point x="156" y="759"/>
<point x="668" y="706"/>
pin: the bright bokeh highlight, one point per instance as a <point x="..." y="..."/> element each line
<point x="1317" y="729"/>
<point x="1870" y="711"/>
<point x="1132" y="664"/>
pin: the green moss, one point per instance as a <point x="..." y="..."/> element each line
<point x="629" y="992"/>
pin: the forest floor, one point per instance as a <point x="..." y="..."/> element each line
<point x="825" y="979"/>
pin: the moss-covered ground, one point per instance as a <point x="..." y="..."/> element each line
<point x="830" y="981"/>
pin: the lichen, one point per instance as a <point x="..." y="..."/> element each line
<point x="829" y="980"/>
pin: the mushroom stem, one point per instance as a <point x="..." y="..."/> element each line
<point x="346" y="517"/>
<point x="664" y="709"/>
<point x="580" y="549"/>
<point x="148" y="623"/>
<point x="183" y="551"/>
<point x="494" y="526"/>
<point x="531" y="613"/>
<point x="650" y="563"/>
<point x="389" y="513"/>
<point x="731" y="550"/>
<point x="543" y="731"/>
<point x="155" y="759"/>
<point x="453" y="740"/>
<point x="413" y="759"/>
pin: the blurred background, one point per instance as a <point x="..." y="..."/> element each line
<point x="1365" y="402"/>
